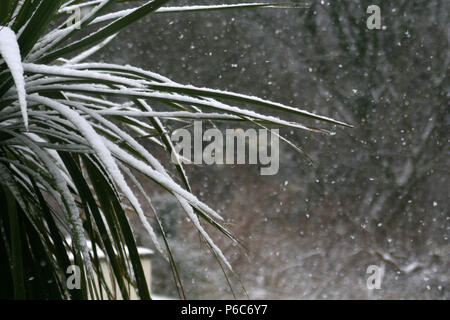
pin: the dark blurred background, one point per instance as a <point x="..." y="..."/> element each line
<point x="377" y="194"/>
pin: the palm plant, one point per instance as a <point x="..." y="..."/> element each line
<point x="70" y="147"/>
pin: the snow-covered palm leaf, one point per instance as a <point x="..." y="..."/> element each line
<point x="67" y="146"/>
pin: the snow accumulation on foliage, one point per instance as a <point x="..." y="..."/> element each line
<point x="10" y="51"/>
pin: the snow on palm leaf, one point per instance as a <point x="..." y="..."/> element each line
<point x="10" y="51"/>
